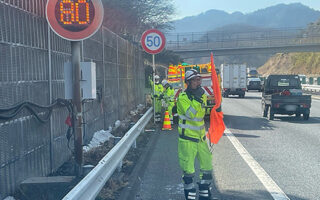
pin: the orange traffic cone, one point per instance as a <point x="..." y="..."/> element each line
<point x="166" y="122"/>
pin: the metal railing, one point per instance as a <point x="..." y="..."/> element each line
<point x="90" y="186"/>
<point x="241" y="39"/>
<point x="311" y="88"/>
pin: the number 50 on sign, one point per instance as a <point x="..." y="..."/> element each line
<point x="153" y="41"/>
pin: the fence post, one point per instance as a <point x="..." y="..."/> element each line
<point x="104" y="80"/>
<point x="50" y="100"/>
<point x="207" y="40"/>
<point x="178" y="40"/>
<point x="118" y="78"/>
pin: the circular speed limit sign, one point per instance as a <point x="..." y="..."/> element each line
<point x="153" y="41"/>
<point x="74" y="19"/>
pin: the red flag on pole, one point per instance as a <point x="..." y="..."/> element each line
<point x="217" y="126"/>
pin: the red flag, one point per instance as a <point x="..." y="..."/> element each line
<point x="217" y="126"/>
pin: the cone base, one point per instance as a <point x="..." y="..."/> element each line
<point x="166" y="129"/>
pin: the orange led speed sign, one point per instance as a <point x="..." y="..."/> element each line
<point x="74" y="19"/>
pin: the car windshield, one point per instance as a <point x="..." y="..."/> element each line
<point x="285" y="82"/>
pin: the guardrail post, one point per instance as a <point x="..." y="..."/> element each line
<point x="134" y="145"/>
<point x="119" y="168"/>
<point x="311" y="81"/>
<point x="115" y="141"/>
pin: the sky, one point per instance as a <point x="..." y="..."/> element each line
<point x="194" y="7"/>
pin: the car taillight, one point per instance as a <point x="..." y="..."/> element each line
<point x="225" y="89"/>
<point x="305" y="105"/>
<point x="244" y="89"/>
<point x="286" y="93"/>
<point x="277" y="105"/>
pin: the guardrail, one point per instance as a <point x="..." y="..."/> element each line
<point x="90" y="186"/>
<point x="311" y="88"/>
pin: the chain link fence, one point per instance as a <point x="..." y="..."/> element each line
<point x="31" y="69"/>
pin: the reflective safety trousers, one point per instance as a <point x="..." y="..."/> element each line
<point x="158" y="91"/>
<point x="188" y="151"/>
<point x="157" y="100"/>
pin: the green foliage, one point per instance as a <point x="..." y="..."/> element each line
<point x="165" y="57"/>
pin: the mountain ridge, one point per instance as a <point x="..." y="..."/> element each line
<point x="277" y="16"/>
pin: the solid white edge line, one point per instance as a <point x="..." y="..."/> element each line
<point x="263" y="176"/>
<point x="315" y="97"/>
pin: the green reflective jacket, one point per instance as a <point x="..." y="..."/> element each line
<point x="191" y="114"/>
<point x="169" y="95"/>
<point x="158" y="88"/>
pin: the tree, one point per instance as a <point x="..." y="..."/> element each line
<point x="132" y="17"/>
<point x="166" y="57"/>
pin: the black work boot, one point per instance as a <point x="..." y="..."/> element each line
<point x="190" y="194"/>
<point x="204" y="192"/>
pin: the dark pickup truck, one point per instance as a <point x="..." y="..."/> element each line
<point x="282" y="94"/>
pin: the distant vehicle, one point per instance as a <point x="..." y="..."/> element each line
<point x="282" y="94"/>
<point x="207" y="87"/>
<point x="233" y="80"/>
<point x="253" y="73"/>
<point x="254" y="84"/>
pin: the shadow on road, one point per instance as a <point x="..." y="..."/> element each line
<point x="299" y="120"/>
<point x="251" y="195"/>
<point x="246" y="97"/>
<point x="247" y="123"/>
<point x="245" y="135"/>
<point x="250" y="97"/>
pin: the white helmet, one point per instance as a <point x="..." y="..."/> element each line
<point x="192" y="73"/>
<point x="164" y="82"/>
<point x="156" y="77"/>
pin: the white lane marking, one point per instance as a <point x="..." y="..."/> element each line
<point x="263" y="176"/>
<point x="315" y="97"/>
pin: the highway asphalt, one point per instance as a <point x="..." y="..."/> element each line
<point x="280" y="155"/>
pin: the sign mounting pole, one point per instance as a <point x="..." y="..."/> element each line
<point x="154" y="85"/>
<point x="75" y="49"/>
<point x="153" y="42"/>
